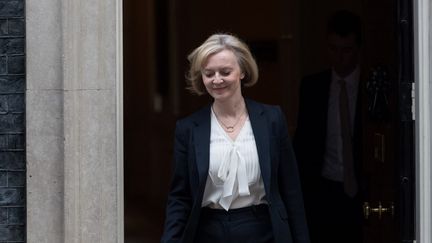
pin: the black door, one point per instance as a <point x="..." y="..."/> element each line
<point x="389" y="135"/>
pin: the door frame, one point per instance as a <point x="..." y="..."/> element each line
<point x="423" y="120"/>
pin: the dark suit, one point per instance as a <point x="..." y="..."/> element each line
<point x="322" y="195"/>
<point x="278" y="170"/>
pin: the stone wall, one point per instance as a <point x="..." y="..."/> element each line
<point x="12" y="126"/>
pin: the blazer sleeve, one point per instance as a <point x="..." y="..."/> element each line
<point x="179" y="201"/>
<point x="289" y="185"/>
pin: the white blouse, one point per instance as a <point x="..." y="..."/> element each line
<point x="234" y="179"/>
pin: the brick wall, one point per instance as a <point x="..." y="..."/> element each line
<point x="12" y="121"/>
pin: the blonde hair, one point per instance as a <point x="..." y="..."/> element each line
<point x="215" y="44"/>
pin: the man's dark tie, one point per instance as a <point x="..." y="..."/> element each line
<point x="350" y="182"/>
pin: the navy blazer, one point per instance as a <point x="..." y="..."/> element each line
<point x="278" y="171"/>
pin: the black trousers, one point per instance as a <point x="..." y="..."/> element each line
<point x="244" y="225"/>
<point x="334" y="217"/>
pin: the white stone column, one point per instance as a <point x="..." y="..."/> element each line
<point x="44" y="122"/>
<point x="74" y="121"/>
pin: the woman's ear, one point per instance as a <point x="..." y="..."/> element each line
<point x="242" y="76"/>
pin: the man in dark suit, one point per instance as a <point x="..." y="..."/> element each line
<point x="327" y="140"/>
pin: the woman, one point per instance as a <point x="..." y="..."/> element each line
<point x="235" y="177"/>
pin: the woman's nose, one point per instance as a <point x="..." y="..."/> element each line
<point x="217" y="79"/>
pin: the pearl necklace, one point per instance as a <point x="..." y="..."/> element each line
<point x="228" y="129"/>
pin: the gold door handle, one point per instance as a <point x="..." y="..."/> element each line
<point x="380" y="210"/>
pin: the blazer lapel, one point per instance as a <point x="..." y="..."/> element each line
<point x="201" y="142"/>
<point x="260" y="131"/>
<point x="201" y="136"/>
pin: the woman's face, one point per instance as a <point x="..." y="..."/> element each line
<point x="222" y="76"/>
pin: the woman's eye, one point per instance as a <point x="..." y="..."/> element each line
<point x="225" y="73"/>
<point x="208" y="75"/>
